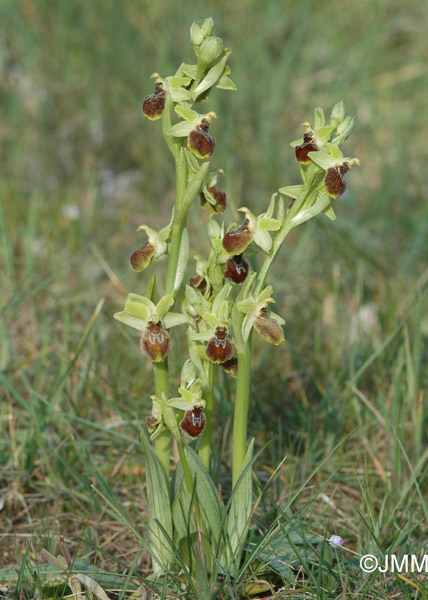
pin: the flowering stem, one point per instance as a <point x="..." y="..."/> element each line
<point x="279" y="239"/>
<point x="205" y="445"/>
<point x="240" y="417"/>
<point x="162" y="442"/>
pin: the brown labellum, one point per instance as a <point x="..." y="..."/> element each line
<point x="237" y="269"/>
<point x="200" y="141"/>
<point x="269" y="328"/>
<point x="154" y="104"/>
<point x="334" y="180"/>
<point x="219" y="348"/>
<point x="155" y="342"/>
<point x="141" y="258"/>
<point x="151" y="423"/>
<point x="193" y="422"/>
<point x="220" y="201"/>
<point x="237" y="240"/>
<point x="303" y="150"/>
<point x="231" y="366"/>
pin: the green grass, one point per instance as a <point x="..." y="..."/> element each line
<point x="81" y="169"/>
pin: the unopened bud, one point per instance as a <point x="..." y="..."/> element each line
<point x="338" y="113"/>
<point x="231" y="366"/>
<point x="269" y="328"/>
<point x="237" y="240"/>
<point x="193" y="422"/>
<point x="237" y="269"/>
<point x="142" y="257"/>
<point x="197" y="36"/>
<point x="345" y="128"/>
<point x="155" y="342"/>
<point x="303" y="150"/>
<point x="200" y="141"/>
<point x="220" y="201"/>
<point x="219" y="348"/>
<point x="334" y="181"/>
<point x="210" y="50"/>
<point x="154" y="104"/>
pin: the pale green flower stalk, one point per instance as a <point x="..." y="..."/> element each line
<point x="219" y="308"/>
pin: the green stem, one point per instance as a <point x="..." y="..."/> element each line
<point x="240" y="417"/>
<point x="185" y="196"/>
<point x="163" y="442"/>
<point x="205" y="444"/>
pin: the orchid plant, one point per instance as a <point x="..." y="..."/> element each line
<point x="219" y="307"/>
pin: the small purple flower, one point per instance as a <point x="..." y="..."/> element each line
<point x="335" y="540"/>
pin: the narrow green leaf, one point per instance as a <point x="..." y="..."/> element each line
<point x="208" y="497"/>
<point x="238" y="519"/>
<point x="160" y="509"/>
<point x="183" y="259"/>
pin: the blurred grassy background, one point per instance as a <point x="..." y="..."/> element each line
<point x="81" y="169"/>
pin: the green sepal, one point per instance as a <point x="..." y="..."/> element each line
<point x="130" y="320"/>
<point x="247" y="306"/>
<point x="164" y="304"/>
<point x="329" y="212"/>
<point x="177" y="82"/>
<point x="324" y="132"/>
<point x="200" y="352"/>
<point x="211" y="319"/>
<point x="275" y="316"/>
<point x="186" y="113"/>
<point x="220" y="298"/>
<point x="182" y="95"/>
<point x="322" y="159"/>
<point x="319" y="118"/>
<point x="189" y="70"/>
<point x="265" y="294"/>
<point x="181" y="129"/>
<point x="203" y="336"/>
<point x="263" y="240"/>
<point x="225" y="83"/>
<point x="173" y="319"/>
<point x="293" y="191"/>
<point x="179" y="404"/>
<point x="280" y="214"/>
<point x="334" y="150"/>
<point x="268" y="224"/>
